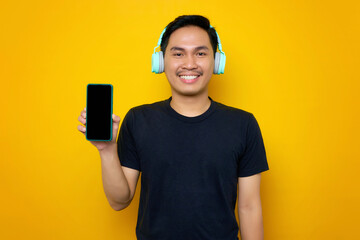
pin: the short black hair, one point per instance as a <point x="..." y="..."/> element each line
<point x="189" y="20"/>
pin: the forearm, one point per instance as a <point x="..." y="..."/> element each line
<point x="115" y="185"/>
<point x="251" y="223"/>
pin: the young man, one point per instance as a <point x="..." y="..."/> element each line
<point x="195" y="154"/>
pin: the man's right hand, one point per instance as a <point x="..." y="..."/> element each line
<point x="100" y="145"/>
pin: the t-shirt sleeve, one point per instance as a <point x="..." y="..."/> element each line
<point x="254" y="159"/>
<point x="126" y="143"/>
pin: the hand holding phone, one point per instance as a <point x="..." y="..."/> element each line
<point x="100" y="145"/>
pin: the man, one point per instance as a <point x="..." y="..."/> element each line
<point x="194" y="153"/>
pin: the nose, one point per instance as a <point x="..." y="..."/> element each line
<point x="190" y="62"/>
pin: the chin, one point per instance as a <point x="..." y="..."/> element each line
<point x="189" y="93"/>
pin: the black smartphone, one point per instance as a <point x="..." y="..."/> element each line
<point x="99" y="108"/>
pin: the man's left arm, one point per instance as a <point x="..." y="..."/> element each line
<point x="249" y="208"/>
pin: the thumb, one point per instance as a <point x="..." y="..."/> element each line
<point x="116" y="118"/>
<point x="116" y="121"/>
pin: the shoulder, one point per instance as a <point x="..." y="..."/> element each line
<point x="145" y="111"/>
<point x="233" y="112"/>
<point x="239" y="116"/>
<point x="147" y="108"/>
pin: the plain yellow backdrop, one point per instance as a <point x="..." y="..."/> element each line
<point x="293" y="64"/>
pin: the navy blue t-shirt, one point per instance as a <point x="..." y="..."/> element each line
<point x="190" y="168"/>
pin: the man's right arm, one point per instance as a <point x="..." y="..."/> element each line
<point x="119" y="182"/>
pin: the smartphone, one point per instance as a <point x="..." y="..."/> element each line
<point x="99" y="108"/>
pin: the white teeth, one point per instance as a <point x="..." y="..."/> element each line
<point x="188" y="77"/>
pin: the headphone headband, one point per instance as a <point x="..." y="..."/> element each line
<point x="160" y="38"/>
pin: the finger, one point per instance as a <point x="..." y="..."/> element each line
<point x="116" y="118"/>
<point x="81" y="128"/>
<point x="83" y="114"/>
<point x="82" y="120"/>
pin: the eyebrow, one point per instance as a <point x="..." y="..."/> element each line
<point x="196" y="49"/>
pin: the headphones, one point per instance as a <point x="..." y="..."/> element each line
<point x="157" y="59"/>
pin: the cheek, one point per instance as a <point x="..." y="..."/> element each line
<point x="208" y="65"/>
<point x="171" y="65"/>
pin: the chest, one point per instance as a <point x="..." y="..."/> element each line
<point x="202" y="149"/>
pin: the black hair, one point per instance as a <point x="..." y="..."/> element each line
<point x="189" y="20"/>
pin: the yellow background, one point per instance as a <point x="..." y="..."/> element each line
<point x="293" y="64"/>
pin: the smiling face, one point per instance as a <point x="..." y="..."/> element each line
<point x="189" y="61"/>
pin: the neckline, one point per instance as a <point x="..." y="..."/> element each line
<point x="183" y="118"/>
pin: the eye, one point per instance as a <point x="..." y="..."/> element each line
<point x="201" y="53"/>
<point x="177" y="54"/>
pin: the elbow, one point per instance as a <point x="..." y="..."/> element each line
<point x="251" y="206"/>
<point x="120" y="206"/>
<point x="251" y="209"/>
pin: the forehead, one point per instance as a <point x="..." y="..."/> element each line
<point x="190" y="36"/>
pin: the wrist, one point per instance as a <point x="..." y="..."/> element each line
<point x="109" y="151"/>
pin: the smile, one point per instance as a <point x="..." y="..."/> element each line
<point x="189" y="78"/>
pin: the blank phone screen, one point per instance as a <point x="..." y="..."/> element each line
<point x="99" y="112"/>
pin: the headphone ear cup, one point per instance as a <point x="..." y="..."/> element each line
<point x="155" y="62"/>
<point x="161" y="62"/>
<point x="222" y="63"/>
<point x="217" y="63"/>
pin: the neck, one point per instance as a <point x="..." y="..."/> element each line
<point x="190" y="106"/>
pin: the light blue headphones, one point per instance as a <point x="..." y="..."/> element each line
<point x="157" y="60"/>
